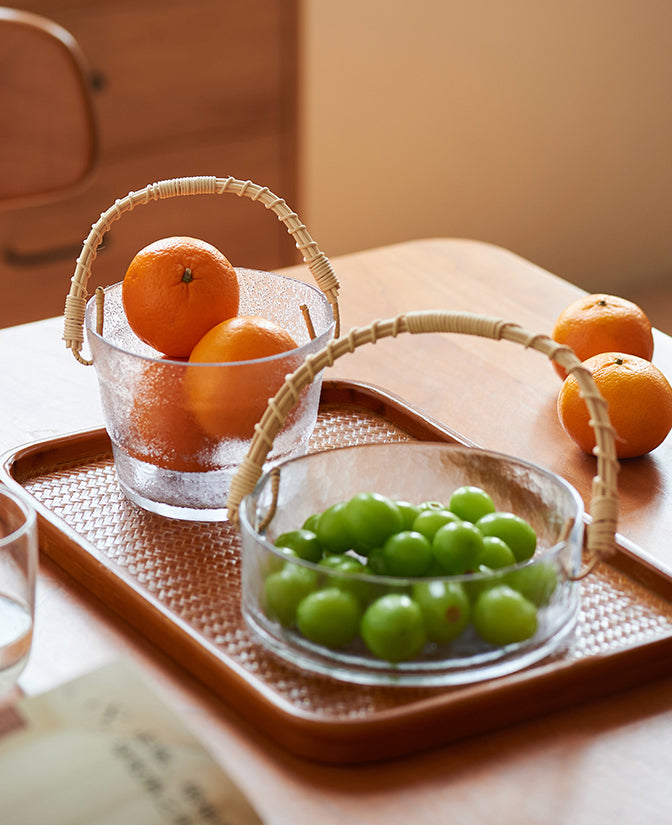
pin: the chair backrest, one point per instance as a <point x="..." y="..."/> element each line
<point x="48" y="136"/>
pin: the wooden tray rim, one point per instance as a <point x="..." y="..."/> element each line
<point x="442" y="716"/>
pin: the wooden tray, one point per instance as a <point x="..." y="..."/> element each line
<point x="179" y="584"/>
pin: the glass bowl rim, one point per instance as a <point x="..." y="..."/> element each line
<point x="322" y="337"/>
<point x="545" y="555"/>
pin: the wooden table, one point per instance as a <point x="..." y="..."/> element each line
<point x="604" y="761"/>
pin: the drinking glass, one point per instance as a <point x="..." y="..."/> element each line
<point x="18" y="573"/>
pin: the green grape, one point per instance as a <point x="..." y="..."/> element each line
<point x="513" y="530"/>
<point x="311" y="523"/>
<point x="503" y="616"/>
<point x="475" y="584"/>
<point x="456" y="546"/>
<point x="284" y="590"/>
<point x="445" y="608"/>
<point x="536" y="582"/>
<point x="273" y="563"/>
<point x="376" y="564"/>
<point x="470" y="503"/>
<point x="429" y="521"/>
<point x="303" y="542"/>
<point x="431" y="505"/>
<point x="495" y="554"/>
<point x="329" y="617"/>
<point x="342" y="563"/>
<point x="408" y="512"/>
<point x="332" y="531"/>
<point x="393" y="628"/>
<point x="369" y="519"/>
<point x="406" y="554"/>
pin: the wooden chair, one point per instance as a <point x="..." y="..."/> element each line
<point x="48" y="136"/>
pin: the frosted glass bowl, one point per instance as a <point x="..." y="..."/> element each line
<point x="163" y="462"/>
<point x="414" y="472"/>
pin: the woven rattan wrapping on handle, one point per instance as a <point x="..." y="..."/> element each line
<point x="604" y="502"/>
<point x="75" y="303"/>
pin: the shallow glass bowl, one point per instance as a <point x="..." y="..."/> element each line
<point x="414" y="472"/>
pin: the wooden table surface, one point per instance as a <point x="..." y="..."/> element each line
<point x="606" y="761"/>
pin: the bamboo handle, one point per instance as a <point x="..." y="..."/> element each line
<point x="75" y="303"/>
<point x="604" y="504"/>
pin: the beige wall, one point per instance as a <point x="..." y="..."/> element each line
<point x="544" y="127"/>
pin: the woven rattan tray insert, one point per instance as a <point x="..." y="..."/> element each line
<point x="179" y="584"/>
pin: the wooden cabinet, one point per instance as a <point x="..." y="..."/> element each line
<point x="188" y="87"/>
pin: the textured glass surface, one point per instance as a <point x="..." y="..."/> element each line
<point x="190" y="477"/>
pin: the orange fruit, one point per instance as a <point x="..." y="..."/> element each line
<point x="175" y="290"/>
<point x="162" y="428"/>
<point x="603" y="323"/>
<point x="639" y="402"/>
<point x="230" y="398"/>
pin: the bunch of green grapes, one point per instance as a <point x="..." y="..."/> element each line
<point x="374" y="535"/>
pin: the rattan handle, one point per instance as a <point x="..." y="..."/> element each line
<point x="75" y="303"/>
<point x="604" y="503"/>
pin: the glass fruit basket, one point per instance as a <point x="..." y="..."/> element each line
<point x="173" y="455"/>
<point x="366" y="606"/>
